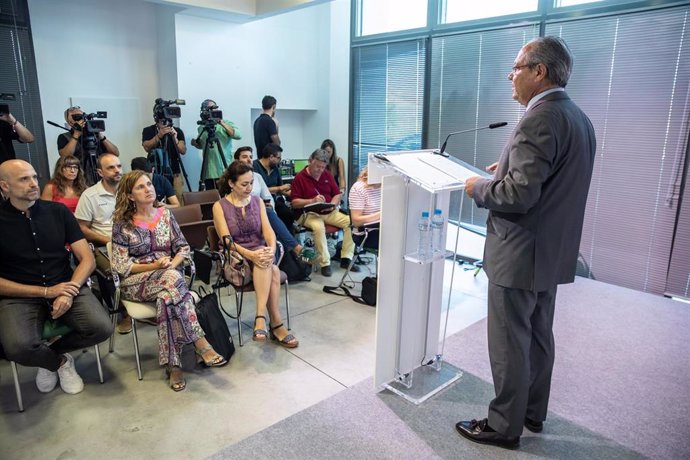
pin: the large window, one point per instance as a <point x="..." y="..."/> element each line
<point x="462" y="10"/>
<point x="636" y="92"/>
<point x="380" y="16"/>
<point x="388" y="98"/>
<point x="470" y="89"/>
<point x="631" y="76"/>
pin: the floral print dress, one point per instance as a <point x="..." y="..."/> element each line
<point x="143" y="243"/>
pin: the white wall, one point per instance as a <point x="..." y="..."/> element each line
<point x="102" y="53"/>
<point x="287" y="56"/>
<point x="120" y="55"/>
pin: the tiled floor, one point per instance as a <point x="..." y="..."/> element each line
<point x="264" y="383"/>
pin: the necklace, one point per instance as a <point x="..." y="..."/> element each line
<point x="239" y="203"/>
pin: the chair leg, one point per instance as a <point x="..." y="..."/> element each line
<point x="136" y="348"/>
<point x="17" y="388"/>
<point x="97" y="350"/>
<point x="111" y="345"/>
<point x="287" y="304"/>
<point x="238" y="306"/>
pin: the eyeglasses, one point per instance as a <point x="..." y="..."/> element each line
<point x="72" y="109"/>
<point x="71" y="167"/>
<point x="518" y="67"/>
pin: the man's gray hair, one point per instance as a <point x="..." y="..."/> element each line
<point x="319" y="154"/>
<point x="556" y="57"/>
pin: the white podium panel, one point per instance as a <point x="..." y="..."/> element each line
<point x="410" y="289"/>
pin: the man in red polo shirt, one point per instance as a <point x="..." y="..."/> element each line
<point x="313" y="186"/>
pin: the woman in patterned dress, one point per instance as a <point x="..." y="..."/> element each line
<point x="148" y="250"/>
<point x="242" y="216"/>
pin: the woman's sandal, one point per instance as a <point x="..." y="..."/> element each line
<point x="289" y="341"/>
<point x="216" y="361"/>
<point x="177" y="382"/>
<point x="259" y="335"/>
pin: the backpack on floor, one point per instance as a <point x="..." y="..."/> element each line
<point x="294" y="268"/>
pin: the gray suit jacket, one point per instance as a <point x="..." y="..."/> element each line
<point x="537" y="197"/>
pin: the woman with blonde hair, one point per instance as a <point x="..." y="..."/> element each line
<point x="67" y="183"/>
<point x="148" y="250"/>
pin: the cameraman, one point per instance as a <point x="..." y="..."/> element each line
<point x="70" y="143"/>
<point x="166" y="141"/>
<point x="226" y="131"/>
<point x="11" y="130"/>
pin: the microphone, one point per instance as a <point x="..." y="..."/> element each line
<point x="491" y="126"/>
<point x="56" y="125"/>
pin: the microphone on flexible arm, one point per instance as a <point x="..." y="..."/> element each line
<point x="56" y="125"/>
<point x="445" y="143"/>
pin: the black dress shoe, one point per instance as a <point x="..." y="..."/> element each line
<point x="481" y="432"/>
<point x="534" y="427"/>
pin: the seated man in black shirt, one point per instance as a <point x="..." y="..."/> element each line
<point x="37" y="281"/>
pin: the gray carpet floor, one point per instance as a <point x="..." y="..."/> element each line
<point x="621" y="389"/>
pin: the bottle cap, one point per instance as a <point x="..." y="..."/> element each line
<point x="425" y="213"/>
<point x="437" y="212"/>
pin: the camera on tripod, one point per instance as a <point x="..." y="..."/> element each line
<point x="90" y="129"/>
<point x="91" y="126"/>
<point x="165" y="111"/>
<point x="209" y="115"/>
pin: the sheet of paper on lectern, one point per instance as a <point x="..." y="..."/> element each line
<point x="434" y="170"/>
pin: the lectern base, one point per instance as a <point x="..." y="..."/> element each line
<point x="425" y="382"/>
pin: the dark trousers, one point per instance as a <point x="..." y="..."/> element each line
<point x="284" y="212"/>
<point x="282" y="232"/>
<point x="21" y="325"/>
<point x="521" y="351"/>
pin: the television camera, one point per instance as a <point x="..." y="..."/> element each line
<point x="165" y="111"/>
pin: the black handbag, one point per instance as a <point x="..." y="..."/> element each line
<point x="214" y="325"/>
<point x="369" y="285"/>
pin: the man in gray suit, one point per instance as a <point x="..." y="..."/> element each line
<point x="537" y="204"/>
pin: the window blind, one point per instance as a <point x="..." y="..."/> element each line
<point x="470" y="89"/>
<point x="635" y="90"/>
<point x="388" y="97"/>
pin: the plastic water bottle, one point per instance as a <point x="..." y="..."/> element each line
<point x="424" y="247"/>
<point x="438" y="240"/>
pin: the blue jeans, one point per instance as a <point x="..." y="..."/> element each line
<point x="21" y="325"/>
<point x="282" y="233"/>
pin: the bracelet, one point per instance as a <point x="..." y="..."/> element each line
<point x="75" y="138"/>
<point x="103" y="139"/>
<point x="45" y="292"/>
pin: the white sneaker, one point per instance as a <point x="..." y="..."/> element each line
<point x="46" y="380"/>
<point x="70" y="382"/>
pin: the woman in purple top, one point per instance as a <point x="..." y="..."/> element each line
<point x="242" y="217"/>
<point x="148" y="250"/>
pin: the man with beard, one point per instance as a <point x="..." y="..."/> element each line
<point x="37" y="282"/>
<point x="95" y="215"/>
